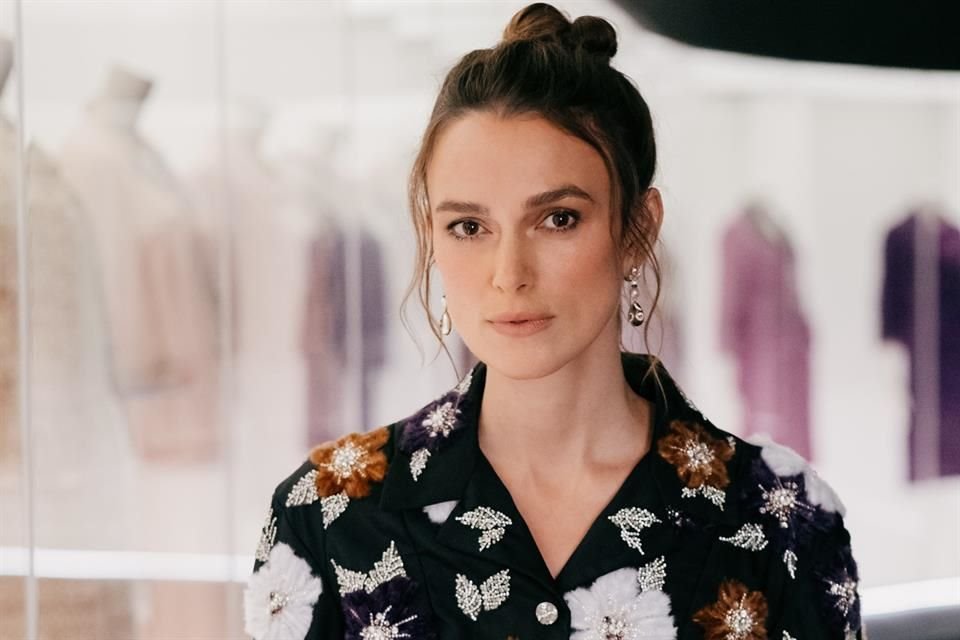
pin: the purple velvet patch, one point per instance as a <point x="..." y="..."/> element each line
<point x="389" y="606"/>
<point x="803" y="520"/>
<point x="840" y="599"/>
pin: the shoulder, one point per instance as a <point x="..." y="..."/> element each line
<point x="337" y="474"/>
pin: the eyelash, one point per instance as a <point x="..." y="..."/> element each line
<point x="573" y="225"/>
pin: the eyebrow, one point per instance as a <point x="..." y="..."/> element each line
<point x="538" y="200"/>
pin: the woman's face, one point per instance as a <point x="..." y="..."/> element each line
<point x="522" y="230"/>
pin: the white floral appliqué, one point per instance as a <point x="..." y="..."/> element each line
<point x="279" y="598"/>
<point x="613" y="607"/>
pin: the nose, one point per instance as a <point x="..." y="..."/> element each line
<point x="511" y="270"/>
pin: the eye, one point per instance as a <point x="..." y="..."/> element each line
<point x="564" y="219"/>
<point x="470" y="229"/>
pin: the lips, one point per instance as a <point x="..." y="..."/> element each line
<point x="520" y="324"/>
<point x="520" y="317"/>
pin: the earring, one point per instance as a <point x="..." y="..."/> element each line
<point x="635" y="315"/>
<point x="445" y="324"/>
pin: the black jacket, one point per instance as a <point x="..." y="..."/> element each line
<point x="407" y="532"/>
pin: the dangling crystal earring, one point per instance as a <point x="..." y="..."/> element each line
<point x="635" y="314"/>
<point x="445" y="324"/>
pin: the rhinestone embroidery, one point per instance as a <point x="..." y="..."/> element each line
<point x="739" y="620"/>
<point x="787" y="636"/>
<point x="418" y="462"/>
<point x="653" y="575"/>
<point x="749" y="537"/>
<point x="333" y="506"/>
<point x="491" y="594"/>
<point x="388" y="567"/>
<point x="714" y="495"/>
<point x="464" y="385"/>
<point x="441" y="420"/>
<point x="699" y="456"/>
<point x="278" y="600"/>
<point x="846" y="594"/>
<point x="304" y="491"/>
<point x="380" y="627"/>
<point x="632" y="521"/>
<point x="490" y="521"/>
<point x="781" y="502"/>
<point x="268" y="536"/>
<point x="346" y="460"/>
<point x="790" y="559"/>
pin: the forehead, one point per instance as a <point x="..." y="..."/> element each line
<point x="487" y="157"/>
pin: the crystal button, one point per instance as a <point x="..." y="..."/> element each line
<point x="546" y="613"/>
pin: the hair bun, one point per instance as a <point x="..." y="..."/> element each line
<point x="595" y="35"/>
<point x="542" y="21"/>
<point x="538" y="21"/>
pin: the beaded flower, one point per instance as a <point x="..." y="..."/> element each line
<point x="279" y="598"/>
<point x="699" y="458"/>
<point x="738" y="614"/>
<point x="614" y="607"/>
<point x="351" y="463"/>
<point x="386" y="612"/>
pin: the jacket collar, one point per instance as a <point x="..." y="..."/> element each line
<point x="455" y="456"/>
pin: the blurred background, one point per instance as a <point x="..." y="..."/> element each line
<point x="204" y="243"/>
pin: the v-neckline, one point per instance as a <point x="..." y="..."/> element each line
<point x="635" y="490"/>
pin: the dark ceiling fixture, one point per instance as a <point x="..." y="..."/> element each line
<point x="917" y="34"/>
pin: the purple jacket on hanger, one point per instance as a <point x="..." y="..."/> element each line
<point x="921" y="310"/>
<point x="763" y="327"/>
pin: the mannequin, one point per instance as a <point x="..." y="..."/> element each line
<point x="160" y="302"/>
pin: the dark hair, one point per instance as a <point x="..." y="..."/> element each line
<point x="547" y="65"/>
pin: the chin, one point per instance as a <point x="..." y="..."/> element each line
<point x="520" y="360"/>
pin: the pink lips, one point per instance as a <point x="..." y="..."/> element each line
<point x="520" y="324"/>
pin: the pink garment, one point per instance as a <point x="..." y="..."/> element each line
<point x="161" y="316"/>
<point x="763" y="327"/>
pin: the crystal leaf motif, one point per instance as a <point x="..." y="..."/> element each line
<point x="490" y="521"/>
<point x="632" y="521"/>
<point x="749" y="537"/>
<point x="304" y="491"/>
<point x="492" y="593"/>
<point x="388" y="567"/>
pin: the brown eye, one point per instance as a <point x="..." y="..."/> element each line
<point x="471" y="228"/>
<point x="563" y="220"/>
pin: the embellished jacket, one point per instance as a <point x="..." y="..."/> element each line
<point x="406" y="531"/>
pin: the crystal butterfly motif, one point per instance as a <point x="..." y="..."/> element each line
<point x="388" y="567"/>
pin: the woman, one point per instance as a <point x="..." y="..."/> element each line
<point x="562" y="488"/>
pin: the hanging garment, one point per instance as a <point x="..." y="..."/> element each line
<point x="326" y="328"/>
<point x="763" y="327"/>
<point x="921" y="310"/>
<point x="162" y="319"/>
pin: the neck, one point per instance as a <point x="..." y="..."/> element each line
<point x="582" y="416"/>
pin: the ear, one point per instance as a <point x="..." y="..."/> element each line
<point x="652" y="206"/>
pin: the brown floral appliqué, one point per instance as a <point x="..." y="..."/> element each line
<point x="351" y="463"/>
<point x="700" y="459"/>
<point x="738" y="614"/>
